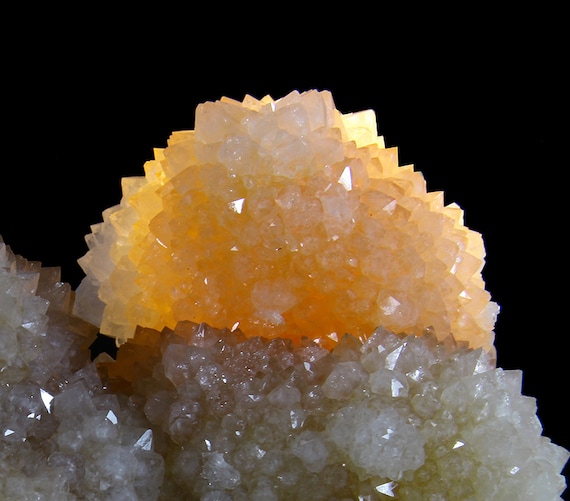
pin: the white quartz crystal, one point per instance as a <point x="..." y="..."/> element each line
<point x="62" y="437"/>
<point x="206" y="414"/>
<point x="400" y="417"/>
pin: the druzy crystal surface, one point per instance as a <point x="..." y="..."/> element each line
<point x="287" y="218"/>
<point x="62" y="436"/>
<point x="297" y="318"/>
<point x="402" y="417"/>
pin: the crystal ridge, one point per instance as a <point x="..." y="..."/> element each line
<point x="287" y="218"/>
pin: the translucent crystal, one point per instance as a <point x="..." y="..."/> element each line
<point x="61" y="436"/>
<point x="391" y="416"/>
<point x="299" y="211"/>
<point x="298" y="318"/>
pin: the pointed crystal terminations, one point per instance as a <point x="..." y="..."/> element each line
<point x="393" y="417"/>
<point x="62" y="435"/>
<point x="287" y="218"/>
<point x="205" y="413"/>
<point x="297" y="319"/>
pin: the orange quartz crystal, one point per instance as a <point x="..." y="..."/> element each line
<point x="285" y="218"/>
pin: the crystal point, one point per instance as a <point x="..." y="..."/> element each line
<point x="308" y="189"/>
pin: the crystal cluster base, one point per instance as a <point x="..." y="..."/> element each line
<point x="63" y="437"/>
<point x="401" y="417"/>
<point x="208" y="414"/>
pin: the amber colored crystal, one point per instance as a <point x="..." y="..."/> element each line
<point x="288" y="219"/>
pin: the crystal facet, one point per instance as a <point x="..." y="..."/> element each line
<point x="293" y="220"/>
<point x="297" y="318"/>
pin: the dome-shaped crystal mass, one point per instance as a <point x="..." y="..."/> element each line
<point x="285" y="218"/>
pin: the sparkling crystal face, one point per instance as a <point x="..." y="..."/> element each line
<point x="403" y="416"/>
<point x="285" y="218"/>
<point x="289" y="220"/>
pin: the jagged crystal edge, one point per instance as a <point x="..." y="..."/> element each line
<point x="399" y="416"/>
<point x="198" y="412"/>
<point x="261" y="201"/>
<point x="62" y="436"/>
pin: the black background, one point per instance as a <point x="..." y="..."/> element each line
<point x="475" y="99"/>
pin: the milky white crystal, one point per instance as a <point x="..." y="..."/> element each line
<point x="62" y="437"/>
<point x="400" y="417"/>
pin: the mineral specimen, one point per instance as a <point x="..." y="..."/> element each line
<point x="296" y="318"/>
<point x="401" y="417"/>
<point x="62" y="436"/>
<point x="286" y="218"/>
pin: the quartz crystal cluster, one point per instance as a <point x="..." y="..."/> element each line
<point x="286" y="218"/>
<point x="296" y="318"/>
<point x="62" y="436"/>
<point x="395" y="417"/>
